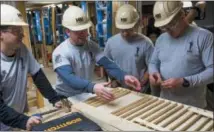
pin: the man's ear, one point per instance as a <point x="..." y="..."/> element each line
<point x="1" y="35"/>
<point x="183" y="16"/>
<point x="67" y="31"/>
<point x="137" y="25"/>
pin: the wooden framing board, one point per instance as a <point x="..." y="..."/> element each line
<point x="53" y="23"/>
<point x="146" y="123"/>
<point x="202" y="112"/>
<point x="153" y="114"/>
<point x="118" y="103"/>
<point x="208" y="126"/>
<point x="109" y="120"/>
<point x="199" y="124"/>
<point x="159" y="114"/>
<point x="132" y="106"/>
<point x="43" y="46"/>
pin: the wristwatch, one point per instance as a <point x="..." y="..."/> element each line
<point x="185" y="83"/>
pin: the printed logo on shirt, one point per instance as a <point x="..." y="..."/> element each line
<point x="58" y="59"/>
<point x="190" y="47"/>
<point x="137" y="52"/>
<point x="22" y="63"/>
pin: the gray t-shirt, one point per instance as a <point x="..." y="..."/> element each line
<point x="82" y="60"/>
<point x="132" y="57"/>
<point x="14" y="72"/>
<point x="189" y="56"/>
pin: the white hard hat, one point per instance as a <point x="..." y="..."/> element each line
<point x="126" y="17"/>
<point x="165" y="11"/>
<point x="75" y="19"/>
<point x="11" y="16"/>
<point x="187" y="4"/>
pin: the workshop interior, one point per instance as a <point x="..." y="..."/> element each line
<point x="107" y="65"/>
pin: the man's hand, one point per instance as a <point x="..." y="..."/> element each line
<point x="173" y="83"/>
<point x="145" y="79"/>
<point x="34" y="120"/>
<point x="133" y="82"/>
<point x="101" y="90"/>
<point x="155" y="79"/>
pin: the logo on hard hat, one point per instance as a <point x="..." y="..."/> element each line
<point x="123" y="19"/>
<point x="158" y="16"/>
<point x="79" y="19"/>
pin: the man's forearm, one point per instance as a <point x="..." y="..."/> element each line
<point x="203" y="78"/>
<point x="66" y="74"/>
<point x="12" y="118"/>
<point x="112" y="69"/>
<point x="45" y="87"/>
<point x="191" y="16"/>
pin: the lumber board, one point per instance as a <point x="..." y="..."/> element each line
<point x="160" y="112"/>
<point x="153" y="110"/>
<point x="141" y="112"/>
<point x="118" y="103"/>
<point x="208" y="126"/>
<point x="180" y="120"/>
<point x="109" y="119"/>
<point x="130" y="107"/>
<point x="146" y="123"/>
<point x="167" y="114"/>
<point x="202" y="112"/>
<point x="199" y="124"/>
<point x="191" y="121"/>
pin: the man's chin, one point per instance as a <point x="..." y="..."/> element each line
<point x="129" y="39"/>
<point x="80" y="44"/>
<point x="15" y="49"/>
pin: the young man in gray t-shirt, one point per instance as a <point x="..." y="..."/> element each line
<point x="16" y="63"/>
<point x="131" y="51"/>
<point x="75" y="58"/>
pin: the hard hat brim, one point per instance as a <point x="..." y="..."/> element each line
<point x="14" y="24"/>
<point x="164" y="22"/>
<point x="80" y="27"/>
<point x="125" y="26"/>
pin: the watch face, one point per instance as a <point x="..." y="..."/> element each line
<point x="186" y="83"/>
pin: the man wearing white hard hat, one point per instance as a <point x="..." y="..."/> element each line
<point x="16" y="63"/>
<point x="75" y="58"/>
<point x="194" y="11"/>
<point x="182" y="62"/>
<point x="129" y="49"/>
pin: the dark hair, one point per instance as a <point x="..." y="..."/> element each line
<point x="152" y="29"/>
<point x="5" y="27"/>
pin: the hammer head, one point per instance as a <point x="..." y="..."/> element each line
<point x="67" y="104"/>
